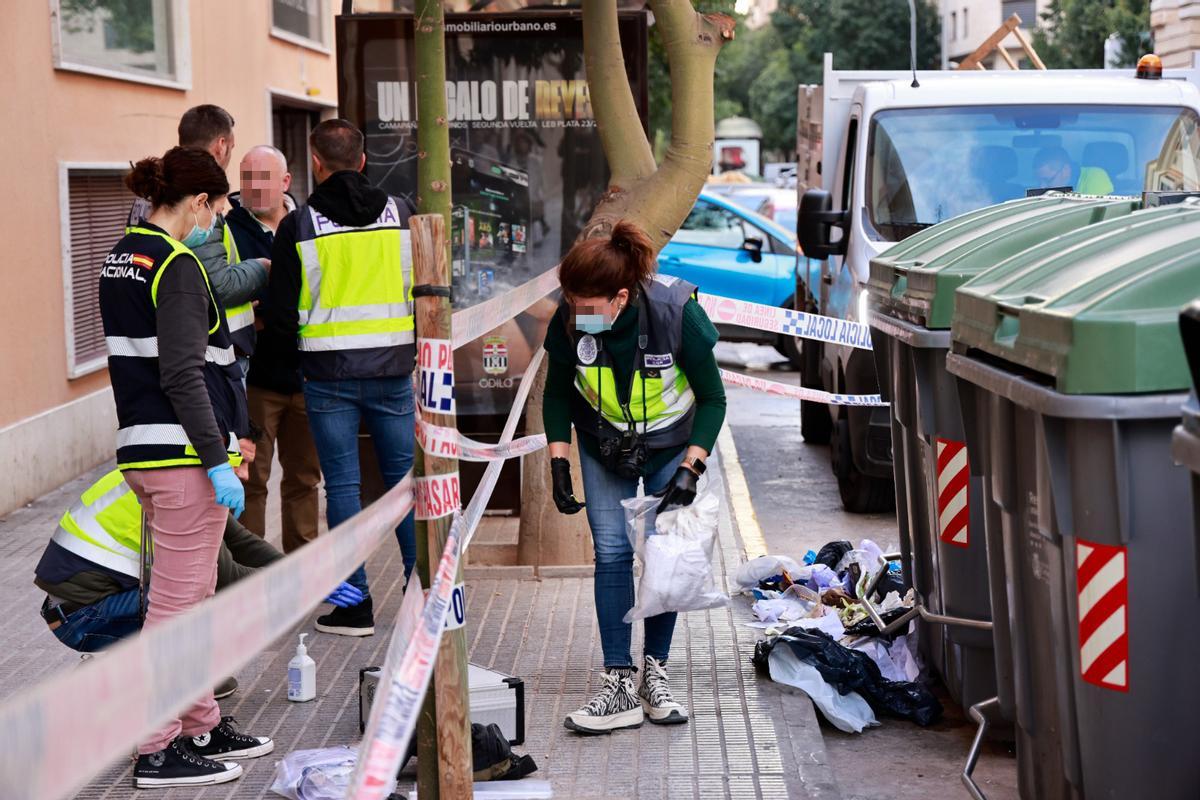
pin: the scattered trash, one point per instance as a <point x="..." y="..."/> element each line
<point x="849" y="670"/>
<point x="810" y="557"/>
<point x="677" y="573"/>
<point x="847" y="712"/>
<point x="764" y="568"/>
<point x="831" y="554"/>
<point x="322" y="774"/>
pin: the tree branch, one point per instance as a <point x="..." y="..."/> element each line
<point x="625" y="145"/>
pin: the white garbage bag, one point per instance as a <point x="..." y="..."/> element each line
<point x="755" y="570"/>
<point x="846" y="712"/>
<point x="676" y="554"/>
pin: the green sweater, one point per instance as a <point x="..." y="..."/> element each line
<point x="696" y="359"/>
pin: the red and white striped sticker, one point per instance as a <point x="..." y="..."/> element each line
<point x="1102" y="582"/>
<point x="954" y="508"/>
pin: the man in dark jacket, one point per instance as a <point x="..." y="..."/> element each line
<point x="341" y="288"/>
<point x="274" y="390"/>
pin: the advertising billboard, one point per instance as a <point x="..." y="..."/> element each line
<point x="527" y="166"/>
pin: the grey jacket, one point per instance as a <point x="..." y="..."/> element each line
<point x="234" y="284"/>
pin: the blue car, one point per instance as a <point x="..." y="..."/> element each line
<point x="728" y="250"/>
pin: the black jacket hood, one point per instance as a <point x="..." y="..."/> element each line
<point x="347" y="198"/>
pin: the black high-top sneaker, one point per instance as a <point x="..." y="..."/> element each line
<point x="177" y="765"/>
<point x="614" y="707"/>
<point x="655" y="692"/>
<point x="356" y="620"/>
<point x="225" y="742"/>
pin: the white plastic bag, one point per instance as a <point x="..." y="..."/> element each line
<point x="755" y="570"/>
<point x="676" y="554"/>
<point x="323" y="774"/>
<point x="847" y="712"/>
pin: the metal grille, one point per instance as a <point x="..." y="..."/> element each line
<point x="99" y="207"/>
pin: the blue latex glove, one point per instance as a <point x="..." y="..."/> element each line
<point x="228" y="488"/>
<point x="345" y="596"/>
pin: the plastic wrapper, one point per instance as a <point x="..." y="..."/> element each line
<point x="676" y="554"/>
<point x="323" y="774"/>
<point x="750" y="574"/>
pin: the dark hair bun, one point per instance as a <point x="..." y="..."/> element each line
<point x="147" y="180"/>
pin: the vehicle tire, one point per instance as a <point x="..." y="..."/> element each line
<point x="861" y="494"/>
<point x="789" y="348"/>
<point x="816" y="424"/>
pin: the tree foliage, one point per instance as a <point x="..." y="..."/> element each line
<point x="129" y="24"/>
<point x="1072" y="32"/>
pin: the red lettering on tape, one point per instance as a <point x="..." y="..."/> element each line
<point x="438" y="496"/>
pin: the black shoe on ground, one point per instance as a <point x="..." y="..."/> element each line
<point x="225" y="688"/>
<point x="224" y="743"/>
<point x="356" y="620"/>
<point x="177" y="765"/>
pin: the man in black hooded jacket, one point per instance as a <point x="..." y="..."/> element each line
<point x="341" y="288"/>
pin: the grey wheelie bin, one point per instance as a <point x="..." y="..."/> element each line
<point x="939" y="504"/>
<point x="1070" y="377"/>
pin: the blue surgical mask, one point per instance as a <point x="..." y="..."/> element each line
<point x="198" y="236"/>
<point x="592" y="323"/>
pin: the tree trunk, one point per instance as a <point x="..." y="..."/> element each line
<point x="656" y="198"/>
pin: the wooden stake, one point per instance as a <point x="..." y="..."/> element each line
<point x="974" y="60"/>
<point x="435" y="358"/>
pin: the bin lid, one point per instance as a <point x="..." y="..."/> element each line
<point x="1094" y="311"/>
<point x="915" y="280"/>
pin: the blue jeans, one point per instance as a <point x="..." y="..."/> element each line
<point x="335" y="409"/>
<point x="101" y="624"/>
<point x="603" y="493"/>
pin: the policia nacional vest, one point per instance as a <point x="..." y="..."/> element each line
<point x="660" y="404"/>
<point x="149" y="435"/>
<point x="105" y="526"/>
<point x="240" y="318"/>
<point x="356" y="313"/>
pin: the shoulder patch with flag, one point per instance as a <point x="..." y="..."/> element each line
<point x="145" y="262"/>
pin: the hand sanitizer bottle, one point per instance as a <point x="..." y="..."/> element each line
<point x="302" y="675"/>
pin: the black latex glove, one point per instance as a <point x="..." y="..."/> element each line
<point x="564" y="495"/>
<point x="681" y="490"/>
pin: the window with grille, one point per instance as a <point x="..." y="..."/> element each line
<point x="1025" y="9"/>
<point x="98" y="208"/>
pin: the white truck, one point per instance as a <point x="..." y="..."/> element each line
<point x="897" y="157"/>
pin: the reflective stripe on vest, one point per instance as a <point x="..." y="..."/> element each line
<point x="105" y="526"/>
<point x="240" y="316"/>
<point x="355" y="288"/>
<point x="668" y="397"/>
<point x="147" y="347"/>
<point x="165" y="434"/>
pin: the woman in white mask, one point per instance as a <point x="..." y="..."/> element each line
<point x="180" y="412"/>
<point x="632" y="370"/>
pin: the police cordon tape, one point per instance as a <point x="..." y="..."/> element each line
<point x="787" y="321"/>
<point x="405" y="677"/>
<point x="471" y="323"/>
<point x="801" y="392"/>
<point x="64" y="730"/>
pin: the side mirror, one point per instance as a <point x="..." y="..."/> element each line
<point x="754" y="246"/>
<point x="814" y="221"/>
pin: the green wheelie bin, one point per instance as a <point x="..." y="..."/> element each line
<point x="1071" y="375"/>
<point x="939" y="499"/>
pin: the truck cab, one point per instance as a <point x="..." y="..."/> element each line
<point x="898" y="155"/>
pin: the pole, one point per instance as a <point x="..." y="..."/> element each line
<point x="438" y="497"/>
<point x="433" y="197"/>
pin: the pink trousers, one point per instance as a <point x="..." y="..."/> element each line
<point x="187" y="525"/>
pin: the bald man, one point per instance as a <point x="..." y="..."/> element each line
<point x="273" y="387"/>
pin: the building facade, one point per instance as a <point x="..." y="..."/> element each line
<point x="90" y="87"/>
<point x="967" y="23"/>
<point x="1176" y="28"/>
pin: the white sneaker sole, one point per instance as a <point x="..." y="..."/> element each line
<point x="249" y="752"/>
<point x="340" y="631"/>
<point x="664" y="716"/>
<point x="232" y="774"/>
<point x="581" y="723"/>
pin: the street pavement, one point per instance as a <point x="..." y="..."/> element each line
<point x="796" y="503"/>
<point x="748" y="738"/>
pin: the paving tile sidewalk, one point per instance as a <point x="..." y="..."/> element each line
<point x="748" y="737"/>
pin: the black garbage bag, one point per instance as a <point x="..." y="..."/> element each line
<point x="890" y="582"/>
<point x="831" y="554"/>
<point x="850" y="670"/>
<point x="493" y="757"/>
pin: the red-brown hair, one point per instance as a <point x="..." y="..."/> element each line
<point x="603" y="267"/>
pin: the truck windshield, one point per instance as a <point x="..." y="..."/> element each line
<point x="927" y="165"/>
